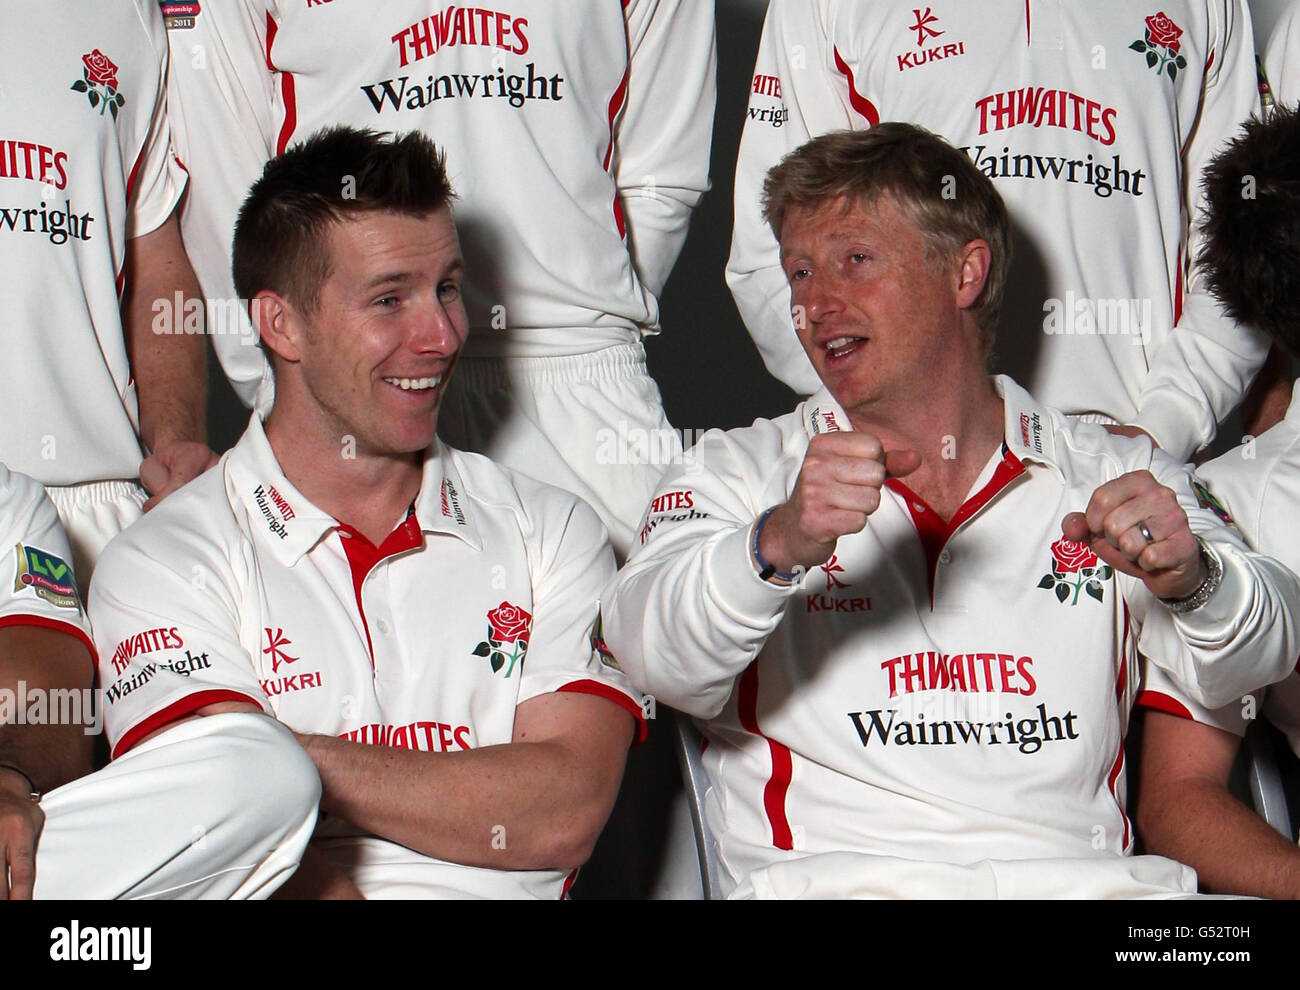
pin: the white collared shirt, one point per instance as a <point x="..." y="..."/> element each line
<point x="86" y="164"/>
<point x="238" y="588"/>
<point x="938" y="692"/>
<point x="1094" y="135"/>
<point x="1258" y="485"/>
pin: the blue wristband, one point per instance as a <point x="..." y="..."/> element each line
<point x="768" y="571"/>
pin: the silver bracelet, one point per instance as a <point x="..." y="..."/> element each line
<point x="1213" y="578"/>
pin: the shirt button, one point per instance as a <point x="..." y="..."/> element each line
<point x="945" y="557"/>
<point x="918" y="506"/>
<point x="383" y="626"/>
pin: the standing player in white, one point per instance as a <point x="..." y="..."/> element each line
<point x="577" y="137"/>
<point x="1282" y="57"/>
<point x="426" y="621"/>
<point x="219" y="808"/>
<point x="93" y="260"/>
<point x="1094" y="121"/>
<point x="1252" y="263"/>
<point x="921" y="687"/>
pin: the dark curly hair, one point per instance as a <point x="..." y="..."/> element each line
<point x="1251" y="254"/>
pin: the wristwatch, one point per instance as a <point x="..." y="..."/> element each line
<point x="1213" y="578"/>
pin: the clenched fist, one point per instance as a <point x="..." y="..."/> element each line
<point x="1169" y="563"/>
<point x="837" y="489"/>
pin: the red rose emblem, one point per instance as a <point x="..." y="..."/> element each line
<point x="100" y="70"/>
<point x="1163" y="31"/>
<point x="510" y="623"/>
<point x="1071" y="556"/>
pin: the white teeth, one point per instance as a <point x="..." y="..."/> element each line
<point x="416" y="384"/>
<point x="839" y="342"/>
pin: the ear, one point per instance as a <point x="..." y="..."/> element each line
<point x="973" y="262"/>
<point x="278" y="323"/>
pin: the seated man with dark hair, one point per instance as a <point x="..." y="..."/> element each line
<point x="221" y="808"/>
<point x="1252" y="264"/>
<point x="423" y="619"/>
<point x="908" y="614"/>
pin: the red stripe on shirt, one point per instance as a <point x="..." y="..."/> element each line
<point x="782" y="768"/>
<point x="859" y="102"/>
<point x="286" y="92"/>
<point x="130" y="190"/>
<point x="613" y="694"/>
<point x="1178" y="289"/>
<point x="176" y="711"/>
<point x="1164" y="703"/>
<point x="616" y="104"/>
<point x="1118" y="765"/>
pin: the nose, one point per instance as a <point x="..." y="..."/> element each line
<point x="815" y="298"/>
<point x="439" y="326"/>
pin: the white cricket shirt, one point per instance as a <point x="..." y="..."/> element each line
<point x="85" y="164"/>
<point x="947" y="693"/>
<point x="1090" y="143"/>
<point x="238" y="588"/>
<point x="577" y="139"/>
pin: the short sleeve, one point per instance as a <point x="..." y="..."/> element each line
<point x="572" y="562"/>
<point x="158" y="178"/>
<point x="164" y="610"/>
<point x="37" y="585"/>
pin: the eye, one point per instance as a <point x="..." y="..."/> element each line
<point x="858" y="257"/>
<point x="449" y="290"/>
<point x="387" y="302"/>
<point x="799" y="274"/>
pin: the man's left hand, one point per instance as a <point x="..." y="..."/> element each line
<point x="173" y="465"/>
<point x="1169" y="563"/>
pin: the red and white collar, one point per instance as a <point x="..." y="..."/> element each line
<point x="289" y="525"/>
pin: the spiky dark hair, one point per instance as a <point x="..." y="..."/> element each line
<point x="1251" y="256"/>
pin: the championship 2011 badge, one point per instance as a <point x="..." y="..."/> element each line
<point x="177" y="15"/>
<point x="46" y="576"/>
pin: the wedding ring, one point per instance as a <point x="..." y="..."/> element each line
<point x="1145" y="530"/>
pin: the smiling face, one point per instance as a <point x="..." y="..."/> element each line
<point x="374" y="356"/>
<point x="880" y="318"/>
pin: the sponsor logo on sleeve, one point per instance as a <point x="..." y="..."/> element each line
<point x="671" y="507"/>
<point x="46" y="576"/>
<point x="143" y="673"/>
<point x="1206" y="499"/>
<point x="143" y="643"/>
<point x="599" y="646"/>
